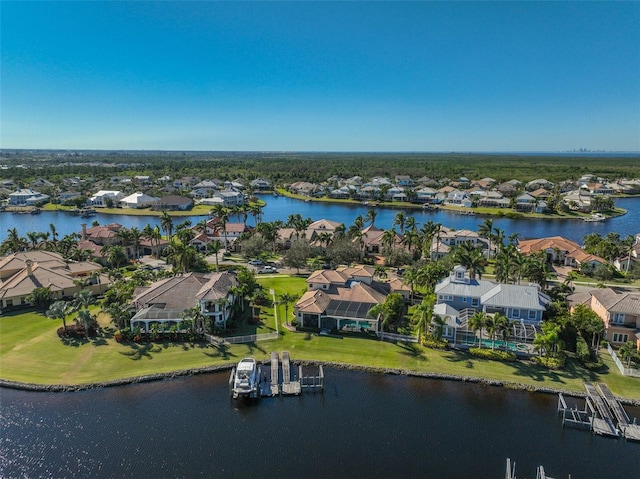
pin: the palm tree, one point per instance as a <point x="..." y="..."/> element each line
<point x="370" y="217"/>
<point x="380" y="271"/>
<point x="437" y="325"/>
<point x="389" y="239"/>
<point x="115" y="255"/>
<point x="627" y="352"/>
<point x="182" y="255"/>
<point x="59" y="310"/>
<point x="54" y="232"/>
<point x="33" y="236"/>
<point x="125" y="237"/>
<point x="470" y="256"/>
<point x="400" y="221"/>
<point x="82" y="300"/>
<point x="286" y="299"/>
<point x="166" y="223"/>
<point x="477" y="323"/>
<point x="214" y="247"/>
<point x="486" y="231"/>
<point x="222" y="213"/>
<point x="410" y="277"/>
<point x="87" y="320"/>
<point x="422" y="316"/>
<point x="14" y="243"/>
<point x="135" y="235"/>
<point x="410" y="224"/>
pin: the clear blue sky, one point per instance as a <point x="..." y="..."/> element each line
<point x="329" y="76"/>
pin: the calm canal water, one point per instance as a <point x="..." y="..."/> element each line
<point x="362" y="425"/>
<point x="281" y="207"/>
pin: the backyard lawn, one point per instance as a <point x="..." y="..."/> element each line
<point x="30" y="351"/>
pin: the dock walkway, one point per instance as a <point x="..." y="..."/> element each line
<point x="605" y="424"/>
<point x="289" y="386"/>
<point x="629" y="430"/>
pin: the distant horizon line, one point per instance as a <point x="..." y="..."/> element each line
<point x="494" y="152"/>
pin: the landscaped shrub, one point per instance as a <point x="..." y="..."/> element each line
<point x="550" y="363"/>
<point x="587" y="359"/>
<point x="431" y="342"/>
<point x="493" y="354"/>
<point x="75" y="331"/>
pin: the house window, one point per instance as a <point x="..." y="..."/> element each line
<point x="618" y="318"/>
<point x="475" y="302"/>
<point x="459" y="274"/>
<point x="532" y="315"/>
<point x="445" y="297"/>
<point x="23" y="300"/>
<point x="515" y="313"/>
<point x="464" y="299"/>
<point x="620" y="338"/>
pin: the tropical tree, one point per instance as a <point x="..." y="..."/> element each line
<point x="83" y="299"/>
<point x="549" y="342"/>
<point x="371" y="217"/>
<point x="477" y="323"/>
<point x="115" y="255"/>
<point x="135" y="236"/>
<point x="59" y="310"/>
<point x="471" y="257"/>
<point x="41" y="297"/>
<point x="422" y="315"/>
<point x="486" y="231"/>
<point x="166" y="223"/>
<point x="388" y="239"/>
<point x="399" y="221"/>
<point x="14" y="243"/>
<point x="182" y="255"/>
<point x="286" y="299"/>
<point x="627" y="352"/>
<point x="214" y="247"/>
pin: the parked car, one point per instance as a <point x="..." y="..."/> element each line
<point x="255" y="262"/>
<point x="268" y="269"/>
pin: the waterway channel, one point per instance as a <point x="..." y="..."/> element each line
<point x="363" y="425"/>
<point x="279" y="208"/>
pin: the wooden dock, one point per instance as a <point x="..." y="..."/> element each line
<point x="630" y="431"/>
<point x="281" y="378"/>
<point x="289" y="386"/>
<point x="605" y="424"/>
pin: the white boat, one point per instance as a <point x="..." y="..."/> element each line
<point x="596" y="217"/>
<point x="246" y="379"/>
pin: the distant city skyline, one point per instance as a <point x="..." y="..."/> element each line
<point x="321" y="76"/>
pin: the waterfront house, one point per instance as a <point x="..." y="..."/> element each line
<point x="103" y="197"/>
<point x="620" y="312"/>
<point x="341" y="299"/>
<point x="426" y="195"/>
<point x="523" y="303"/>
<point x="305" y="188"/>
<point x="458" y="198"/>
<point x="525" y="202"/>
<point x="138" y="200"/>
<point x="260" y="184"/>
<point x="21" y="273"/>
<point x="404" y="180"/>
<point x="27" y="197"/>
<point x="174" y="203"/>
<point x="166" y="300"/>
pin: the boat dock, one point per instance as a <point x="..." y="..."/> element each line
<point x="602" y="414"/>
<point x="630" y="431"/>
<point x="605" y="424"/>
<point x="283" y="380"/>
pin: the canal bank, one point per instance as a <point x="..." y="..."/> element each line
<point x="378" y="425"/>
<point x="513" y="385"/>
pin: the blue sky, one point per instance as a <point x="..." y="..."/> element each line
<point x="326" y="76"/>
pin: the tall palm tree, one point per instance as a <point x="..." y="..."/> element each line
<point x="370" y="217"/>
<point x="486" y="231"/>
<point x="214" y="247"/>
<point x="222" y="213"/>
<point x="82" y="300"/>
<point x="54" y="232"/>
<point x="477" y="323"/>
<point x="470" y="256"/>
<point x="399" y="220"/>
<point x="166" y="223"/>
<point x="627" y="352"/>
<point x="410" y="224"/>
<point x="125" y="238"/>
<point x="135" y="236"/>
<point x="14" y="243"/>
<point x="388" y="239"/>
<point x="422" y="317"/>
<point x="286" y="299"/>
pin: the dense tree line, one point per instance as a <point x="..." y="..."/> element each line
<point x="289" y="167"/>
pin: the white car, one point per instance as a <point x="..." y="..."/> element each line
<point x="268" y="269"/>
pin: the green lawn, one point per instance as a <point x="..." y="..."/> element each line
<point x="30" y="351"/>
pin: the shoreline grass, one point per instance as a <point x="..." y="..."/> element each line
<point x="31" y="352"/>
